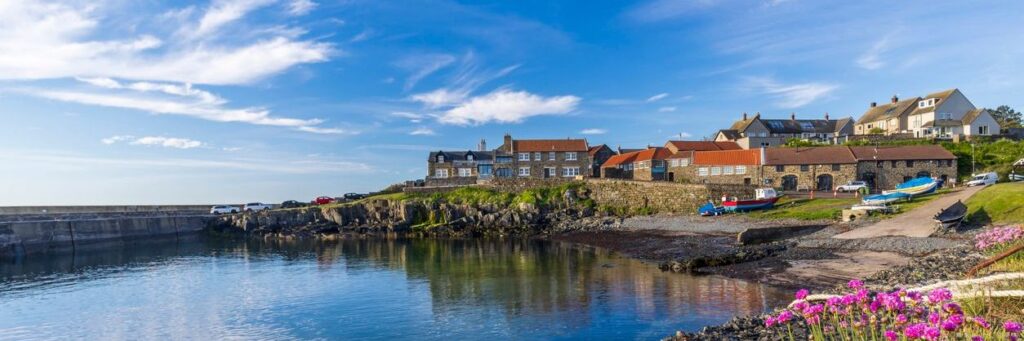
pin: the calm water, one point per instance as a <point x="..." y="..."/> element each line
<point x="360" y="289"/>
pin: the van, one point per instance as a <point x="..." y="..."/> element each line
<point x="983" y="179"/>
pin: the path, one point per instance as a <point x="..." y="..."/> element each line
<point x="916" y="223"/>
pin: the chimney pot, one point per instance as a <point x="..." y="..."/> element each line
<point x="895" y="99"/>
<point x="873" y="104"/>
<point x="744" y="116"/>
<point x="792" y="116"/>
<point x="826" y="116"/>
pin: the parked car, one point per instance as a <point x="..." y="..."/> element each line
<point x="224" y="209"/>
<point x="256" y="207"/>
<point x="353" y="196"/>
<point x="983" y="179"/>
<point x="852" y="186"/>
<point x="323" y="200"/>
<point x="293" y="204"/>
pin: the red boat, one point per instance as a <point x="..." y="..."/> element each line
<point x="765" y="199"/>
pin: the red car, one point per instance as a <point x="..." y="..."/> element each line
<point x="323" y="200"/>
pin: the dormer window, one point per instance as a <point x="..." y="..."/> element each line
<point x="469" y="157"/>
<point x="440" y="158"/>
<point x="927" y="103"/>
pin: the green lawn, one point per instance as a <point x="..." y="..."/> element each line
<point x="1000" y="204"/>
<point x="806" y="209"/>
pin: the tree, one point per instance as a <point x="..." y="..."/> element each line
<point x="1006" y="117"/>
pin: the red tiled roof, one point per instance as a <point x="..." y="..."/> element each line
<point x="703" y="145"/>
<point x="567" y="145"/>
<point x="809" y="155"/>
<point x="925" y="152"/>
<point x="682" y="154"/>
<point x="655" y="153"/>
<point x="727" y="157"/>
<point x="620" y="159"/>
<point x="594" y="149"/>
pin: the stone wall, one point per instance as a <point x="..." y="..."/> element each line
<point x="659" y="196"/>
<point x="887" y="175"/>
<point x="90" y="209"/>
<point x="809" y="179"/>
<point x="34" y="237"/>
<point x="451" y="181"/>
<point x="520" y="184"/>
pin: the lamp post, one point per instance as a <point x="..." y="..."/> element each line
<point x="973" y="171"/>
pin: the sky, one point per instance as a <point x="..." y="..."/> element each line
<point x="231" y="101"/>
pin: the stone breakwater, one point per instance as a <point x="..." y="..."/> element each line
<point x="21" y="238"/>
<point x="413" y="217"/>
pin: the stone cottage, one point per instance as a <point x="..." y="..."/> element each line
<point x="542" y="159"/>
<point x="598" y="156"/>
<point x="648" y="165"/>
<point x="756" y="132"/>
<point x="453" y="168"/>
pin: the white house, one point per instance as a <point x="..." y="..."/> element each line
<point x="948" y="113"/>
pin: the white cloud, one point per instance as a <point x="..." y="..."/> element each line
<point x="301" y="7"/>
<point x="593" y="131"/>
<point x="872" y="58"/>
<point x="45" y="41"/>
<point x="160" y="141"/>
<point x="277" y="165"/>
<point x="412" y="117"/>
<point x="657" y="97"/>
<point x="667" y="109"/>
<point x="364" y="35"/>
<point x="658" y="10"/>
<point x="422" y="131"/>
<point x="681" y="136"/>
<point x="791" y="95"/>
<point x="441" y="97"/>
<point x="422" y="66"/>
<point x="507" y="106"/>
<point x="327" y="131"/>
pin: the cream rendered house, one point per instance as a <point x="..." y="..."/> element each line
<point x="943" y="114"/>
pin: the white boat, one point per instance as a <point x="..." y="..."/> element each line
<point x="871" y="207"/>
<point x="1014" y="176"/>
<point x="923" y="185"/>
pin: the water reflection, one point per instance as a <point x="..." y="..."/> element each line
<point x="372" y="288"/>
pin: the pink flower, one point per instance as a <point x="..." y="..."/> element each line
<point x="769" y="321"/>
<point x="915" y="331"/>
<point x="1011" y="327"/>
<point x="932" y="333"/>
<point x="939" y="295"/>
<point x="855" y="284"/>
<point x="784" y="317"/>
<point x="980" y="321"/>
<point x="891" y="335"/>
<point x="977" y="338"/>
<point x="802" y="294"/>
<point x="949" y="326"/>
<point x="934" y="319"/>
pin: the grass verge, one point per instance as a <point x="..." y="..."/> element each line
<point x="999" y="204"/>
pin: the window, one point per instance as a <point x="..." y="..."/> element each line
<point x="441" y="173"/>
<point x="806" y="126"/>
<point x="503" y="159"/>
<point x="804" y="168"/>
<point x="703" y="171"/>
<point x="570" y="156"/>
<point x="945" y="116"/>
<point x="728" y="170"/>
<point x="910" y="163"/>
<point x="465" y="172"/>
<point x="524" y="156"/>
<point x="741" y="169"/>
<point x="673" y="163"/>
<point x="551" y="156"/>
<point x="780" y="168"/>
<point x="440" y="158"/>
<point x="469" y="157"/>
<point x="684" y="162"/>
<point x="570" y="171"/>
<point x="504" y="172"/>
<point x="536" y="156"/>
<point x="983" y="130"/>
<point x="524" y="171"/>
<point x="893" y="163"/>
<point x="880" y="164"/>
<point x="716" y="170"/>
<point x="949" y="163"/>
<point x="835" y="167"/>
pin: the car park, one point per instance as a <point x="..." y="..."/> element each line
<point x="852" y="186"/>
<point x="983" y="179"/>
<point x="224" y="209"/>
<point x="256" y="207"/>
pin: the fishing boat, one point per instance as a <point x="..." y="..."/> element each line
<point x="919" y="186"/>
<point x="952" y="216"/>
<point x="710" y="209"/>
<point x="764" y="198"/>
<point x="882" y="199"/>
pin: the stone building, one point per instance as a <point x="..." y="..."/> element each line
<point x="598" y="156"/>
<point x="722" y="167"/>
<point x="885" y="167"/>
<point x="648" y="165"/>
<point x="542" y="159"/>
<point x="756" y="132"/>
<point x="803" y="169"/>
<point x="452" y="168"/>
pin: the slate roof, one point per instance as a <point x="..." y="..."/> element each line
<point x="791" y="126"/>
<point x="594" y="149"/>
<point x="730" y="134"/>
<point x="809" y="155"/>
<point x="888" y="110"/>
<point x="972" y="115"/>
<point x="727" y="157"/>
<point x="924" y="152"/>
<point x="460" y="155"/>
<point x="566" y="145"/>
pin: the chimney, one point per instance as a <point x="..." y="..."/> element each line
<point x="826" y="116"/>
<point x="482" y="146"/>
<point x="873" y="104"/>
<point x="895" y="99"/>
<point x="508" y="143"/>
<point x="757" y="115"/>
<point x="792" y="116"/>
<point x="744" y="116"/>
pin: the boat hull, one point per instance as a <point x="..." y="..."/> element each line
<point x="749" y="205"/>
<point x="1016" y="177"/>
<point x="916" y="187"/>
<point x="882" y="199"/>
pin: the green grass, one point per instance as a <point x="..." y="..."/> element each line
<point x="1000" y="204"/>
<point x="806" y="209"/>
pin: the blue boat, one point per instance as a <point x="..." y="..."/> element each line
<point x="710" y="209"/>
<point x="922" y="185"/>
<point x="880" y="199"/>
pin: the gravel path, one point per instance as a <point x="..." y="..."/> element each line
<point x="916" y="223"/>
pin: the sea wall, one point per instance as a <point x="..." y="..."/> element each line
<point x="87" y="209"/>
<point x="20" y="238"/>
<point x="659" y="196"/>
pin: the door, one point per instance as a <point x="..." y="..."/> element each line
<point x="924" y="174"/>
<point x="789" y="183"/>
<point x="869" y="178"/>
<point x="825" y="182"/>
<point x="671" y="176"/>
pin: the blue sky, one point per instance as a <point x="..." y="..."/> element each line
<point x="117" y="102"/>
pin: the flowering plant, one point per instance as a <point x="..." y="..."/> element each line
<point x="998" y="236"/>
<point x="891" y="316"/>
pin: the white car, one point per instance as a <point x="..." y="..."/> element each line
<point x="983" y="179"/>
<point x="224" y="209"/>
<point x="853" y="186"/>
<point x="256" y="207"/>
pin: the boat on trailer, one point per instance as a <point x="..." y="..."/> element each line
<point x="764" y="198"/>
